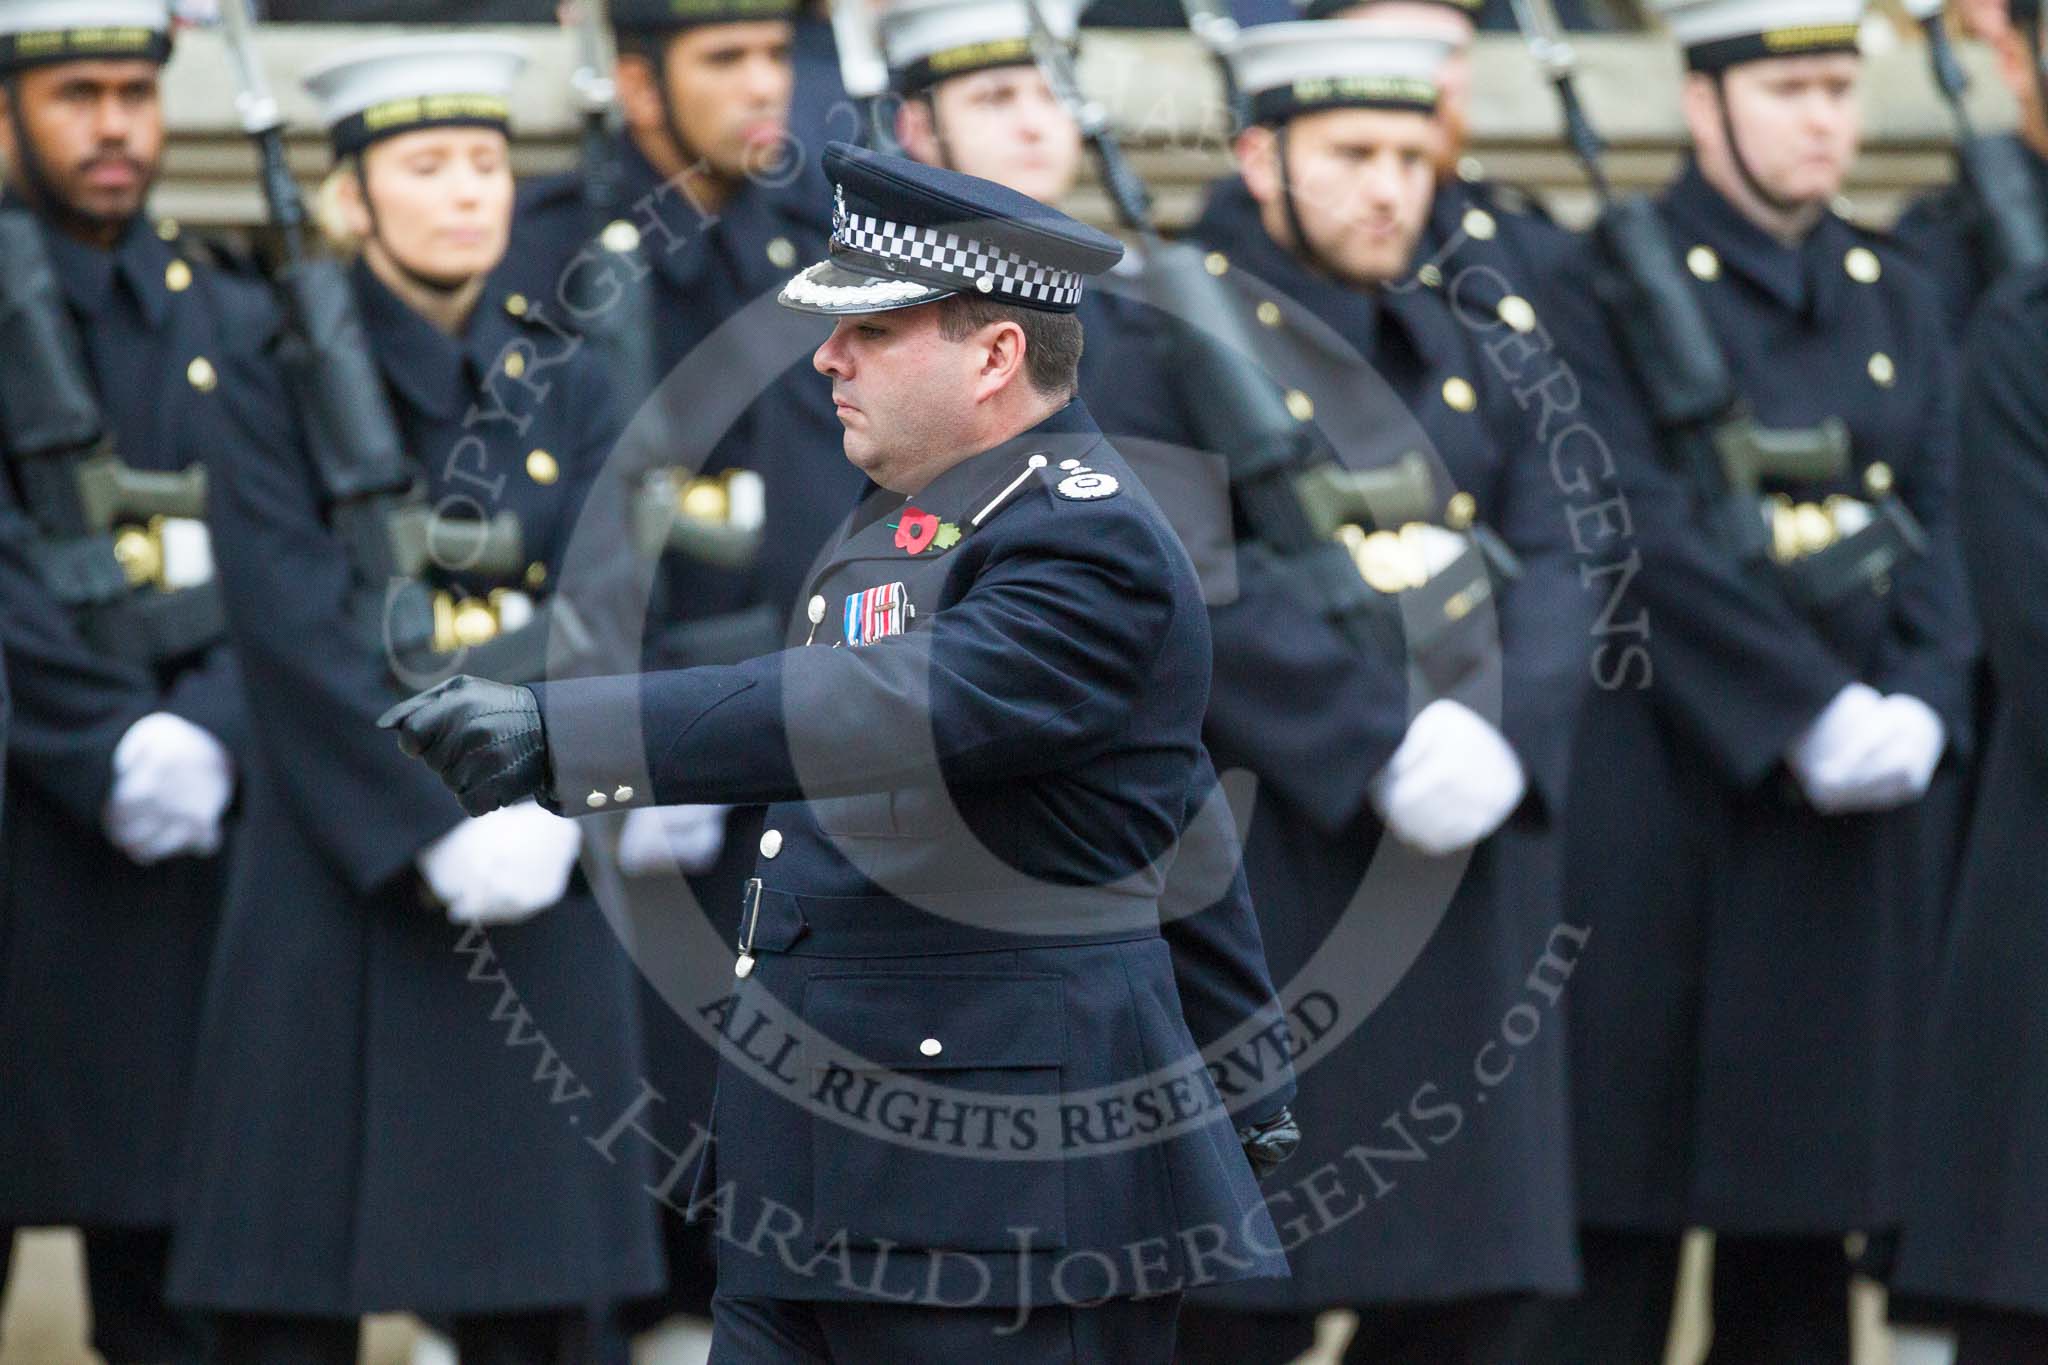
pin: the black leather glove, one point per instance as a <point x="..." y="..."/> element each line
<point x="485" y="739"/>
<point x="1268" y="1144"/>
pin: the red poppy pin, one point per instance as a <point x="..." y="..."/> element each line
<point x="918" y="531"/>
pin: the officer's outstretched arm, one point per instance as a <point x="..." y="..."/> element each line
<point x="1033" y="669"/>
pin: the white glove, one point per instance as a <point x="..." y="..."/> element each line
<point x="684" y="839"/>
<point x="1921" y="741"/>
<point x="504" y="867"/>
<point x="172" y="782"/>
<point x="1867" y="752"/>
<point x="1453" y="781"/>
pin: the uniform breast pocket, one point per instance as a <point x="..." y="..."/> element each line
<point x="936" y="1132"/>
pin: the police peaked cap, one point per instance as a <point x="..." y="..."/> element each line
<point x="904" y="233"/>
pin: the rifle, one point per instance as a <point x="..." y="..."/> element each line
<point x="107" y="531"/>
<point x="1306" y="510"/>
<point x="1708" y="430"/>
<point x="1995" y="170"/>
<point x="375" y="499"/>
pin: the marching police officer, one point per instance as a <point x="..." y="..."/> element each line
<point x="1324" y="225"/>
<point x="413" y="1013"/>
<point x="1785" y="647"/>
<point x="1973" y="1233"/>
<point x="127" y="747"/>
<point x="982" y="755"/>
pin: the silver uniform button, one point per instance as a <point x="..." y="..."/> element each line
<point x="771" y="843"/>
<point x="623" y="795"/>
<point x="931" y="1047"/>
<point x="596" y="800"/>
<point x="816" y="611"/>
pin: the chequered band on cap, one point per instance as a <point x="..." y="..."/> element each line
<point x="960" y="262"/>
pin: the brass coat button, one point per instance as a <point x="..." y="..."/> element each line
<point x="620" y="237"/>
<point x="542" y="468"/>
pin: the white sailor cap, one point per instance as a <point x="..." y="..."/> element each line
<point x="1309" y="64"/>
<point x="37" y="32"/>
<point x="380" y="89"/>
<point x="927" y="41"/>
<point x="1718" y="34"/>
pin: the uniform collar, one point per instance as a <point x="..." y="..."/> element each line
<point x="1807" y="278"/>
<point x="89" y="274"/>
<point x="438" y="374"/>
<point x="959" y="494"/>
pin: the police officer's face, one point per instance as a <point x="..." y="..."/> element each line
<point x="1362" y="179"/>
<point x="96" y="131"/>
<point x="729" y="87"/>
<point x="905" y="395"/>
<point x="1797" y="122"/>
<point x="442" y="201"/>
<point x="1003" y="125"/>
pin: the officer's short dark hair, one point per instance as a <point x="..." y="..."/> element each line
<point x="1052" y="341"/>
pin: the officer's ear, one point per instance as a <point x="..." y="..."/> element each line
<point x="1003" y="361"/>
<point x="1258" y="161"/>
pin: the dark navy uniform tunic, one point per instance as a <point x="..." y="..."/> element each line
<point x="1483" y="1202"/>
<point x="102" y="962"/>
<point x="1977" y="1210"/>
<point x="979" y="776"/>
<point x="391" y="1108"/>
<point x="1737" y="1040"/>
